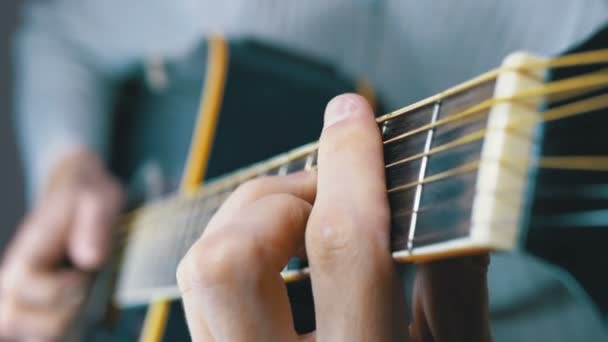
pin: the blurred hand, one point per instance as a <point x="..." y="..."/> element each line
<point x="47" y="268"/>
<point x="230" y="279"/>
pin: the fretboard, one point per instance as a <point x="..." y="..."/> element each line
<point x="456" y="170"/>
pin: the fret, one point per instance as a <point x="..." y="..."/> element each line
<point x="412" y="208"/>
<point x="311" y="161"/>
<point x="421" y="175"/>
<point x="384" y="128"/>
<point x="283" y="169"/>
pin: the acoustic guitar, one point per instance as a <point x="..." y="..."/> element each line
<point x="488" y="165"/>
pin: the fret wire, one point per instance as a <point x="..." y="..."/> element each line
<point x="421" y="175"/>
<point x="384" y="127"/>
<point x="283" y="169"/>
<point x="309" y="162"/>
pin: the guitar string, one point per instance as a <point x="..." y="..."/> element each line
<point x="557" y="62"/>
<point x="578" y="59"/>
<point x="562" y="112"/>
<point x="577" y="108"/>
<point x="470" y="137"/>
<point x="557" y="113"/>
<point x="575" y="83"/>
<point x="556" y="164"/>
<point x="581" y="163"/>
<point x="571" y="60"/>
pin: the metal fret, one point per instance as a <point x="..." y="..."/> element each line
<point x="421" y="175"/>
<point x="384" y="126"/>
<point x="283" y="169"/>
<point x="309" y="161"/>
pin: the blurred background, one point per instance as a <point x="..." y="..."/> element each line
<point x="11" y="193"/>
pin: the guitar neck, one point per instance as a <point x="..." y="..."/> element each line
<point x="456" y="163"/>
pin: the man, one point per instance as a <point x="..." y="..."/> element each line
<point x="63" y="125"/>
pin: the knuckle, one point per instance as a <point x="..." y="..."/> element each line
<point x="212" y="261"/>
<point x="330" y="234"/>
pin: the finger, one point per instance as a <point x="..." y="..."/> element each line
<point x="451" y="300"/>
<point x="230" y="279"/>
<point x="95" y="215"/>
<point x="300" y="184"/>
<point x="347" y="238"/>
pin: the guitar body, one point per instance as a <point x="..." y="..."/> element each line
<point x="273" y="102"/>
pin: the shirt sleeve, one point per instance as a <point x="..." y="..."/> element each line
<point x="63" y="97"/>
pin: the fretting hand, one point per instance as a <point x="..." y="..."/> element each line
<point x="230" y="281"/>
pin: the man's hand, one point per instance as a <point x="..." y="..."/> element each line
<point x="46" y="271"/>
<point x="230" y="279"/>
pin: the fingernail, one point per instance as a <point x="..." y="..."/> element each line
<point x="341" y="108"/>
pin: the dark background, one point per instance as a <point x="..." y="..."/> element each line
<point x="11" y="182"/>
